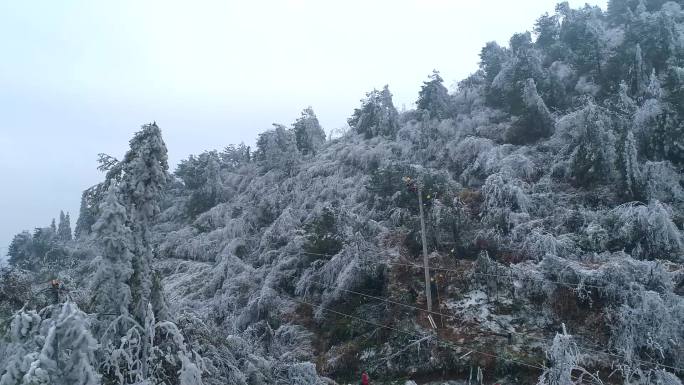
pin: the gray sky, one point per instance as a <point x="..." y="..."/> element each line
<point x="79" y="77"/>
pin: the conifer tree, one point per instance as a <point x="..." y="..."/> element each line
<point x="64" y="227"/>
<point x="594" y="156"/>
<point x="630" y="170"/>
<point x="434" y="97"/>
<point x="54" y="351"/>
<point x="535" y="121"/>
<point x="23" y="343"/>
<point x="144" y="176"/>
<point x="111" y="293"/>
<point x="277" y="149"/>
<point x="377" y="115"/>
<point x="85" y="217"/>
<point x="308" y="132"/>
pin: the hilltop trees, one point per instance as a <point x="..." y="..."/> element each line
<point x="277" y="149"/>
<point x="308" y="132"/>
<point x="144" y="176"/>
<point x="64" y="227"/>
<point x="377" y="115"/>
<point x="434" y="97"/>
<point x="560" y="159"/>
<point x="201" y="175"/>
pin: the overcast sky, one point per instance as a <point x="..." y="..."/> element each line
<point x="79" y="77"/>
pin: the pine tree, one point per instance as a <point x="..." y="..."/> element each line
<point x="54" y="351"/>
<point x="492" y="59"/>
<point x="235" y="156"/>
<point x="23" y="344"/>
<point x="64" y="227"/>
<point x="630" y="170"/>
<point x="112" y="295"/>
<point x="144" y="169"/>
<point x="594" y="156"/>
<point x="377" y="115"/>
<point x="434" y="97"/>
<point x="277" y="149"/>
<point x="201" y="175"/>
<point x="77" y="347"/>
<point x="308" y="132"/>
<point x="547" y="29"/>
<point x="638" y="73"/>
<point x="85" y="218"/>
<point x="535" y="122"/>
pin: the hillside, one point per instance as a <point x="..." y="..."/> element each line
<point x="553" y="193"/>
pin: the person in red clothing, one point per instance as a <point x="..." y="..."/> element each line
<point x="365" y="380"/>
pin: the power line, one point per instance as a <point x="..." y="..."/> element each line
<point x="439" y="339"/>
<point x="525" y="335"/>
<point x="644" y="362"/>
<point x="438" y="268"/>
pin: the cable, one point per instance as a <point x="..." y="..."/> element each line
<point x="652" y="363"/>
<point x="437" y="337"/>
<point x="444" y="342"/>
<point x="438" y="268"/>
<point x="382" y="299"/>
<point x="512" y="332"/>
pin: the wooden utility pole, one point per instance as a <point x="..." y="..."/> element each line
<point x="428" y="291"/>
<point x="55" y="314"/>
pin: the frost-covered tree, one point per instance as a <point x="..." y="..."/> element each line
<point x="492" y="59"/>
<point x="582" y="33"/>
<point x="619" y="11"/>
<point x="590" y="133"/>
<point x="648" y="232"/>
<point x="434" y="97"/>
<point x="93" y="196"/>
<point x="53" y="351"/>
<point x="111" y="292"/>
<point x="153" y="352"/>
<point x="277" y="149"/>
<point x="308" y="133"/>
<point x="630" y="171"/>
<point x="144" y="177"/>
<point x="86" y="216"/>
<point x="535" y="121"/>
<point x="235" y="156"/>
<point x="64" y="227"/>
<point x="202" y="176"/>
<point x="508" y="87"/>
<point x="377" y="115"/>
<point x="22" y="344"/>
<point x="564" y="359"/>
<point x="505" y="201"/>
<point x="547" y="29"/>
<point x="41" y="250"/>
<point x="20" y="249"/>
<point x="649" y="326"/>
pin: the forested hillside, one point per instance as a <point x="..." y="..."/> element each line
<point x="553" y="193"/>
